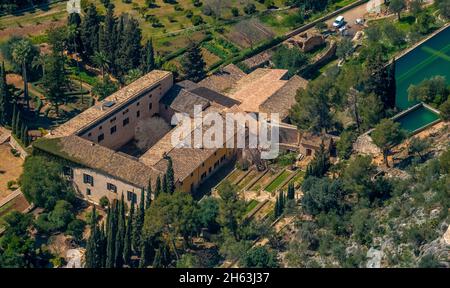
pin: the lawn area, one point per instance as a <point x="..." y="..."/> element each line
<point x="278" y="181"/>
<point x="263" y="181"/>
<point x="247" y="179"/>
<point x="10" y="169"/>
<point x="250" y="206"/>
<point x="298" y="178"/>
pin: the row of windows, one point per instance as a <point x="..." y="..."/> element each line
<point x="125" y="122"/>
<point x="88" y="179"/>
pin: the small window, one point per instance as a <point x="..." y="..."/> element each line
<point x="100" y="128"/>
<point x="167" y="107"/>
<point x="131" y="196"/>
<point x="138" y="103"/>
<point x="112" y="120"/>
<point x="150" y="96"/>
<point x="89" y="134"/>
<point x="203" y="176"/>
<point x="126" y="121"/>
<point x="68" y="172"/>
<point x="101" y="137"/>
<point x="113" y="129"/>
<point x="192" y="174"/>
<point x="88" y="191"/>
<point x="203" y="164"/>
<point x="138" y="114"/>
<point x="111" y="187"/>
<point x="125" y="112"/>
<point x="150" y="106"/>
<point x="209" y="170"/>
<point x="88" y="179"/>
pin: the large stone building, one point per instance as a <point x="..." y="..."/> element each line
<point x="100" y="150"/>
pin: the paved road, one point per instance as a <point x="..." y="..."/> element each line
<point x="358" y="12"/>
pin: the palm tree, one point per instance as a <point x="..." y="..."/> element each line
<point x="133" y="75"/>
<point x="101" y="61"/>
<point x="39" y="62"/>
<point x="22" y="51"/>
<point x="72" y="33"/>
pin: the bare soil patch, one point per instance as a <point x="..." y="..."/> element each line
<point x="10" y="169"/>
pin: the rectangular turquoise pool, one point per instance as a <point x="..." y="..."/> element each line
<point x="417" y="118"/>
<point x="431" y="58"/>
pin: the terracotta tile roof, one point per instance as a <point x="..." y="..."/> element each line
<point x="98" y="111"/>
<point x="283" y="99"/>
<point x="224" y="79"/>
<point x="257" y="87"/>
<point x="100" y="158"/>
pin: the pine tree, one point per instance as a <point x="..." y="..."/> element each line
<point x="5" y="101"/>
<point x="127" y="246"/>
<point x="148" y="57"/>
<point x="90" y="31"/>
<point x="108" y="44"/>
<point x="129" y="51"/>
<point x="193" y="63"/>
<point x="170" y="176"/>
<point x="148" y="198"/>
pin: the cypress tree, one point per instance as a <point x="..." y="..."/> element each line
<point x="94" y="245"/>
<point x="148" y="57"/>
<point x="139" y="223"/>
<point x="17" y="125"/>
<point x="103" y="243"/>
<point x="157" y="261"/>
<point x="148" y="198"/>
<point x="22" y="135"/>
<point x="158" y="186"/>
<point x="277" y="207"/>
<point x="164" y="187"/>
<point x="111" y="236"/>
<point x="170" y="176"/>
<point x="127" y="246"/>
<point x="120" y="235"/>
<point x="143" y="258"/>
<point x="14" y="119"/>
<point x="5" y="101"/>
<point x="193" y="65"/>
<point x="291" y="191"/>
